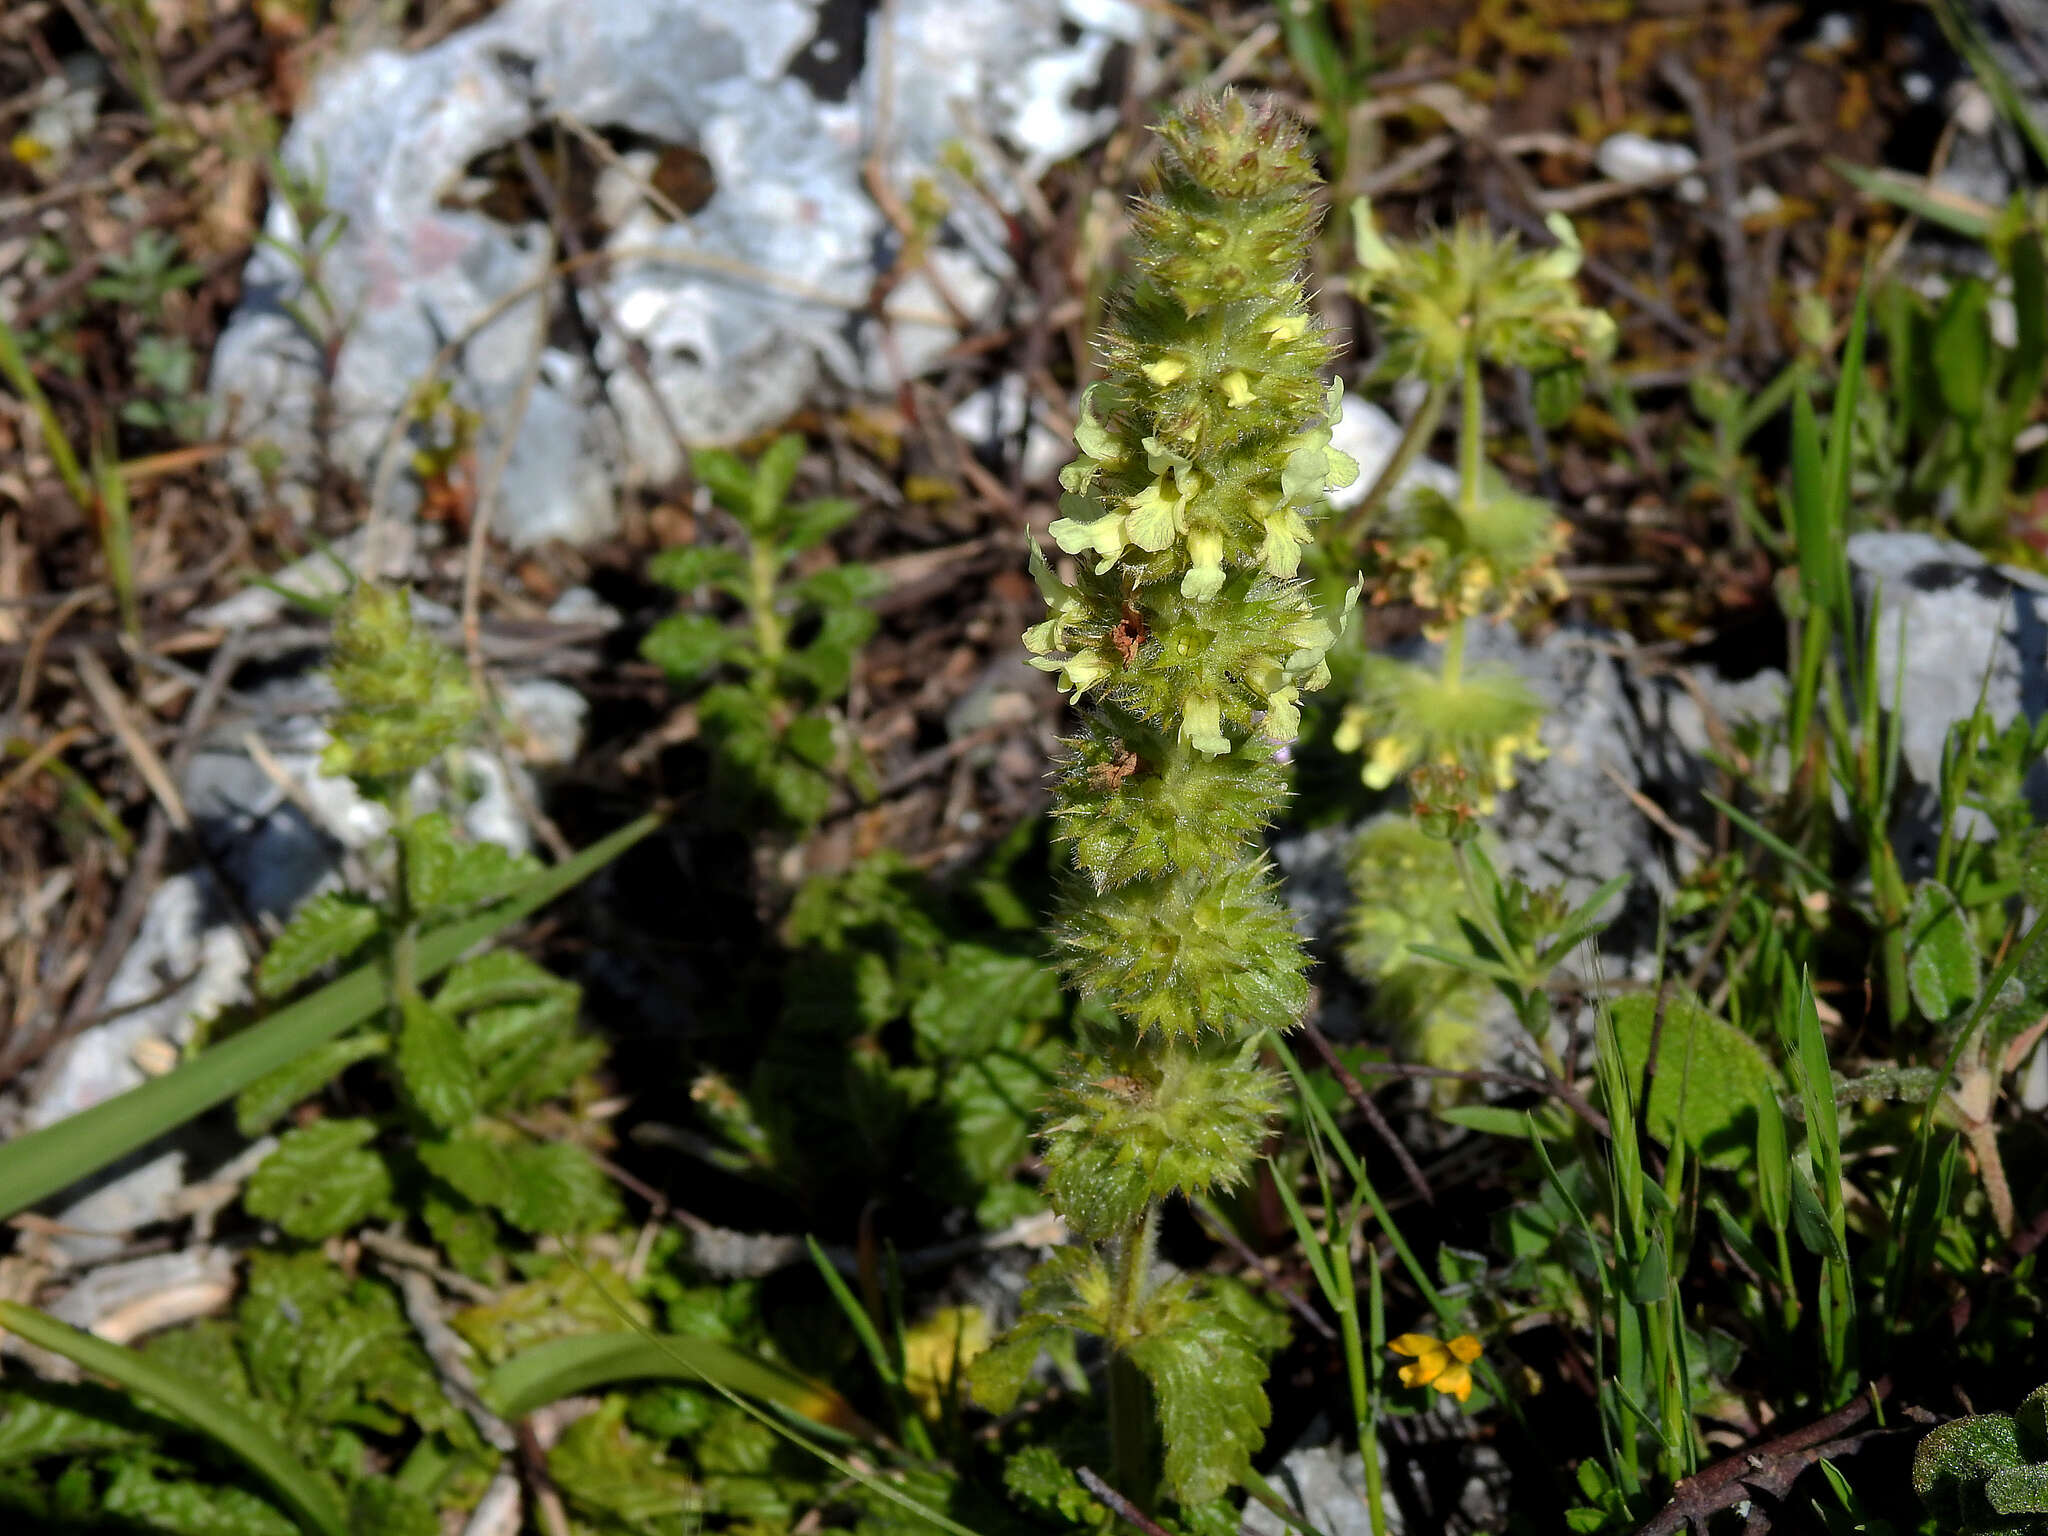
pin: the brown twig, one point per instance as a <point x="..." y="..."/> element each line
<point x="1769" y="1470"/>
<point x="1371" y="1111"/>
<point x="1117" y="1504"/>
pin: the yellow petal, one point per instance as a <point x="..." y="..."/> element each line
<point x="1237" y="390"/>
<point x="1165" y="371"/>
<point x="1413" y="1344"/>
<point x="1465" y="1347"/>
<point x="1455" y="1382"/>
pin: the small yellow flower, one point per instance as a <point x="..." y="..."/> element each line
<point x="1445" y="1365"/>
<point x="937" y="1352"/>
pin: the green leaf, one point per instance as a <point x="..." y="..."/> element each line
<point x="613" y="1475"/>
<point x="730" y="481"/>
<point x="965" y="1008"/>
<point x="1712" y="1081"/>
<point x="774" y="473"/>
<point x="383" y="1506"/>
<point x="309" y="1500"/>
<point x="1552" y="1122"/>
<point x="444" y="872"/>
<point x="1920" y="197"/>
<point x="810" y="523"/>
<point x="1962" y="348"/>
<point x="39" y="1420"/>
<point x="566" y="1367"/>
<point x="687" y="646"/>
<point x="327" y="928"/>
<point x="2018" y="1490"/>
<point x="321" y="1180"/>
<point x="1208" y="1383"/>
<point x="691" y="566"/>
<point x="812" y="739"/>
<point x="269" y="1099"/>
<point x="38" y="1165"/>
<point x="826" y="664"/>
<point x="1944" y="968"/>
<point x="500" y="976"/>
<point x="434" y="1066"/>
<point x="2029" y="266"/>
<point x="1954" y="1461"/>
<point x="554" y="1188"/>
<point x="837" y="586"/>
<point x="140" y="1497"/>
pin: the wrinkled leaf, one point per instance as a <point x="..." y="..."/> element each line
<point x="269" y="1099"/>
<point x="444" y="872"/>
<point x="329" y="927"/>
<point x="321" y="1180"/>
<point x="434" y="1065"/>
<point x="1944" y="968"/>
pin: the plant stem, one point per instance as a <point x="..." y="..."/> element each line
<point x="404" y="970"/>
<point x="1471" y="436"/>
<point x="1130" y="1421"/>
<point x="1420" y="429"/>
<point x="761" y="571"/>
<point x="1454" y="653"/>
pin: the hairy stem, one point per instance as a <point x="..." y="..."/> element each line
<point x="404" y="968"/>
<point x="1129" y="1406"/>
<point x="1414" y="438"/>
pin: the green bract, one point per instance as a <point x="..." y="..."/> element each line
<point x="404" y="698"/>
<point x="1205" y="453"/>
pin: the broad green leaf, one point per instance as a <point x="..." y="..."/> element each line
<point x="434" y="1065"/>
<point x="384" y="1506"/>
<point x="309" y="1500"/>
<point x="327" y="928"/>
<point x="269" y="1099"/>
<point x="965" y="1008"/>
<point x="2018" y="1490"/>
<point x="1712" y="1081"/>
<point x="566" y="1367"/>
<point x="687" y="646"/>
<point x="2029" y="266"/>
<point x="813" y="740"/>
<point x="572" y="1299"/>
<point x="554" y="1188"/>
<point x="729" y="479"/>
<point x="774" y="473"/>
<point x="1956" y="1459"/>
<point x="1944" y="968"/>
<point x="826" y="664"/>
<point x="443" y="871"/>
<point x="1553" y="1122"/>
<point x="38" y="1165"/>
<point x="1208" y="1383"/>
<point x="321" y="1180"/>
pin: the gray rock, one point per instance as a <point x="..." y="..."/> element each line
<point x="1327" y="1488"/>
<point x="1950" y="623"/>
<point x="741" y="309"/>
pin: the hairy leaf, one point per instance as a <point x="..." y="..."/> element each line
<point x="444" y="872"/>
<point x="270" y="1098"/>
<point x="964" y="1009"/>
<point x="434" y="1065"/>
<point x="143" y="1496"/>
<point x="321" y="1180"/>
<point x="1944" y="967"/>
<point x="1712" y="1080"/>
<point x="611" y="1474"/>
<point x="496" y="977"/>
<point x="43" y="1419"/>
<point x="554" y="1188"/>
<point x="1208" y="1378"/>
<point x="329" y="927"/>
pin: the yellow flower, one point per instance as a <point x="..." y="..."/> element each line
<point x="937" y="1351"/>
<point x="1447" y="1366"/>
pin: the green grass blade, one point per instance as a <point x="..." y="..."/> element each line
<point x="1921" y="198"/>
<point x="562" y="1368"/>
<point x="43" y="1162"/>
<point x="21" y="378"/>
<point x="1772" y="841"/>
<point x="310" y="1502"/>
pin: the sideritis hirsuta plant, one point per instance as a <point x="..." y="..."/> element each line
<point x="1188" y="643"/>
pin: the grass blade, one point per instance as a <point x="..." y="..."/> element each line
<point x="310" y="1502"/>
<point x="562" y="1368"/>
<point x="43" y="1162"/>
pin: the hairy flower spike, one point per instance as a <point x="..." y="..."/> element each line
<point x="1204" y="456"/>
<point x="405" y="698"/>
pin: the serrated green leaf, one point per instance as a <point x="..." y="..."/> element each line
<point x="499" y="976"/>
<point x="321" y="1180"/>
<point x="688" y="646"/>
<point x="1944" y="967"/>
<point x="328" y="927"/>
<point x="825" y="665"/>
<point x="812" y="739"/>
<point x="383" y="1506"/>
<point x="287" y="1294"/>
<point x="729" y="479"/>
<point x="568" y="1301"/>
<point x="1208" y="1384"/>
<point x="965" y="1008"/>
<point x="2018" y="1490"/>
<point x="207" y="1354"/>
<point x="141" y="1497"/>
<point x="554" y="1188"/>
<point x="309" y="1499"/>
<point x="807" y="524"/>
<point x="1954" y="1461"/>
<point x="1711" y="1078"/>
<point x="269" y="1099"/>
<point x="691" y="566"/>
<point x="434" y="1065"/>
<point x="444" y="873"/>
<point x="39" y="1420"/>
<point x="471" y="1165"/>
<point x="467" y="1233"/>
<point x="610" y="1474"/>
